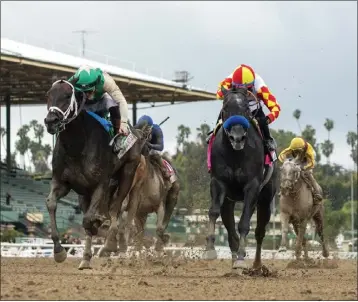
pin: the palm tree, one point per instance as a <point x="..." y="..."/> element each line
<point x="352" y="139"/>
<point x="22" y="145"/>
<point x="297" y="115"/>
<point x="38" y="130"/>
<point x="182" y="136"/>
<point x="203" y="132"/>
<point x="2" y="134"/>
<point x="327" y="146"/>
<point x="329" y="125"/>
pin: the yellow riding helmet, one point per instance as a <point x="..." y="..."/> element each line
<point x="297" y="143"/>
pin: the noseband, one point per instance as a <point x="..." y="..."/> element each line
<point x="72" y="108"/>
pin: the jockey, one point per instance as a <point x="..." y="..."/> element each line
<point x="305" y="153"/>
<point x="245" y="76"/>
<point x="103" y="95"/>
<point x="156" y="143"/>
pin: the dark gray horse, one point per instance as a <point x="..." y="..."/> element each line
<point x="84" y="162"/>
<point x="238" y="173"/>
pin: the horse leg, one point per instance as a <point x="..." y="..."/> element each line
<point x="84" y="202"/>
<point x="125" y="177"/>
<point x="263" y="218"/>
<point x="134" y="199"/>
<point x="300" y="230"/>
<point x="121" y="230"/>
<point x="250" y="200"/>
<point x="285" y="218"/>
<point x="227" y="215"/>
<point x="318" y="220"/>
<point x="140" y="221"/>
<point x="160" y="228"/>
<point x="171" y="201"/>
<point x="57" y="191"/>
<point x="218" y="193"/>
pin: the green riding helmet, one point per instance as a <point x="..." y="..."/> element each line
<point x="88" y="78"/>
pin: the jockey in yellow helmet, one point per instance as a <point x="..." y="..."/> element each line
<point x="305" y="153"/>
<point x="245" y="76"/>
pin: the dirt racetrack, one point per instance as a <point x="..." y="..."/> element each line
<point x="172" y="279"/>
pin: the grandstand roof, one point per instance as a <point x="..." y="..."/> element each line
<point x="28" y="71"/>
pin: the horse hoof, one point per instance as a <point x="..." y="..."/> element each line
<point x="166" y="238"/>
<point x="239" y="264"/>
<point x="122" y="255"/>
<point x="85" y="264"/>
<point x="210" y="255"/>
<point x="325" y="254"/>
<point x="60" y="256"/>
<point x="282" y="249"/>
<point x="103" y="252"/>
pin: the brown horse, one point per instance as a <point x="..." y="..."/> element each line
<point x="297" y="207"/>
<point x="152" y="193"/>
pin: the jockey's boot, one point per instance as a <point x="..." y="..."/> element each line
<point x="210" y="134"/>
<point x="316" y="189"/>
<point x="268" y="140"/>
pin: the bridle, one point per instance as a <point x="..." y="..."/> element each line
<point x="72" y="108"/>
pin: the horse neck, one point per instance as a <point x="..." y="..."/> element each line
<point x="73" y="137"/>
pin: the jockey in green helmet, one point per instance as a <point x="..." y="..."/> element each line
<point x="103" y="94"/>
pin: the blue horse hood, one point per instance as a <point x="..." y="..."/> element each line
<point x="236" y="120"/>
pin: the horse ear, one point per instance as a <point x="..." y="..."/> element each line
<point x="74" y="80"/>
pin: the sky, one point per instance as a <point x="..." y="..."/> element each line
<point x="305" y="51"/>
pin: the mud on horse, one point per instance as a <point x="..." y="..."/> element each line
<point x="153" y="193"/>
<point x="84" y="162"/>
<point x="236" y="158"/>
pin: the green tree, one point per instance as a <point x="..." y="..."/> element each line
<point x="334" y="221"/>
<point x="183" y="135"/>
<point x="283" y="138"/>
<point x="352" y="139"/>
<point x="327" y="146"/>
<point x="297" y="115"/>
<point x="202" y="133"/>
<point x="22" y="145"/>
<point x="2" y="134"/>
<point x="38" y="129"/>
<point x="329" y="125"/>
<point x="309" y="134"/>
<point x="327" y="149"/>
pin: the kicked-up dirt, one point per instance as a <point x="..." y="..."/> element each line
<point x="175" y="279"/>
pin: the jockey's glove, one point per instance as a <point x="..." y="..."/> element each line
<point x="123" y="129"/>
<point x="267" y="120"/>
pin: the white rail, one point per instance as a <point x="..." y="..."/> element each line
<point x="76" y="250"/>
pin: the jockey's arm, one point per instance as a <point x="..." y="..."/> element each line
<point x="265" y="95"/>
<point x="115" y="117"/>
<point x="113" y="90"/>
<point x="223" y="85"/>
<point x="310" y="156"/>
<point x="157" y="142"/>
<point x="285" y="154"/>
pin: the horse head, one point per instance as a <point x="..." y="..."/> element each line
<point x="62" y="105"/>
<point x="290" y="175"/>
<point x="235" y="116"/>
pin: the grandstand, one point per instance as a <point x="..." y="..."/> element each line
<point x="27" y="203"/>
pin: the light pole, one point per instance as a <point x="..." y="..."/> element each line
<point x="352" y="210"/>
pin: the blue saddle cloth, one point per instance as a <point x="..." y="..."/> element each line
<point x="107" y="125"/>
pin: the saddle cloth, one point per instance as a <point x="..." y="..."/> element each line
<point x="170" y="171"/>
